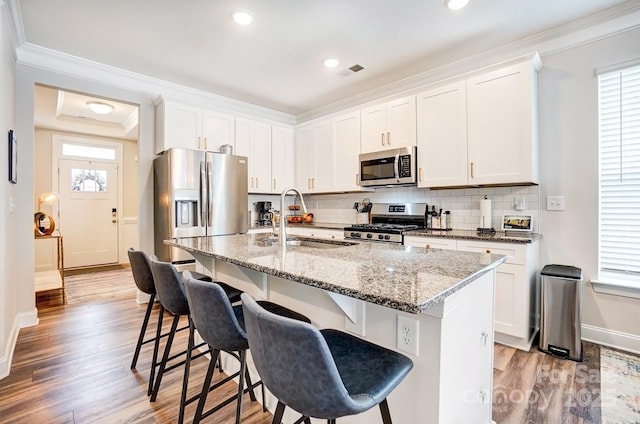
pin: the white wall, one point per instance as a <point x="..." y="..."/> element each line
<point x="569" y="167"/>
<point x="26" y="79"/>
<point x="8" y="281"/>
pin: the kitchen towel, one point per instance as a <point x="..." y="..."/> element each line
<point x="485" y="213"/>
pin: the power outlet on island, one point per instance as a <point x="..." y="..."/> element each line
<point x="407" y="335"/>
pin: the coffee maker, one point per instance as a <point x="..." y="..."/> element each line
<point x="263" y="213"/>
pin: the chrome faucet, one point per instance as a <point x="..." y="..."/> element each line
<point x="282" y="241"/>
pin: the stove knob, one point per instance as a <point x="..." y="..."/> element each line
<point x="387" y="237"/>
<point x="369" y="235"/>
<point x="381" y="237"/>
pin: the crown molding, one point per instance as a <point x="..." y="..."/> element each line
<point x="16" y="30"/>
<point x="54" y="61"/>
<point x="615" y="20"/>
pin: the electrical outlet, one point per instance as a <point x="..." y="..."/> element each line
<point x="555" y="203"/>
<point x="407" y="335"/>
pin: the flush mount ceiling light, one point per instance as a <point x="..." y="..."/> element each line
<point x="242" y="17"/>
<point x="331" y="63"/>
<point x="455" y="4"/>
<point x="100" y="108"/>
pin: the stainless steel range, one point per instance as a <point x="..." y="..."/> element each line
<point x="389" y="221"/>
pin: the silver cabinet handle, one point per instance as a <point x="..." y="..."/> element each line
<point x="388" y="139"/>
<point x="382" y="134"/>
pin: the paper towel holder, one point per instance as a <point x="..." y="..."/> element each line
<point x="485" y="210"/>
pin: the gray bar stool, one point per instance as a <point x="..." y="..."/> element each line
<point x="325" y="374"/>
<point x="169" y="285"/>
<point x="143" y="277"/>
<point x="221" y="326"/>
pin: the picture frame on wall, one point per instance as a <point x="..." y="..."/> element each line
<point x="13" y="158"/>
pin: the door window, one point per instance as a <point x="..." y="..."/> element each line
<point x="92" y="180"/>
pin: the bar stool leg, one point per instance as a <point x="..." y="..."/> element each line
<point x="277" y="416"/>
<point x="187" y="367"/>
<point x="143" y="330"/>
<point x="243" y="370"/>
<point x="384" y="410"/>
<point x="156" y="348"/>
<point x="215" y="354"/>
<point x="165" y="357"/>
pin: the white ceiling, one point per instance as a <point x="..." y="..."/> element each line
<point x="277" y="61"/>
<point x="66" y="111"/>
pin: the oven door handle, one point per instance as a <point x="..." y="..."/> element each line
<point x="396" y="167"/>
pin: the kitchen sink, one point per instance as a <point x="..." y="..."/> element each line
<point x="309" y="242"/>
<point x="317" y="244"/>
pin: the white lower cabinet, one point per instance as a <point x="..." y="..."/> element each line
<point x="517" y="312"/>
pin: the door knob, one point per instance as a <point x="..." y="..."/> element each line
<point x="114" y="221"/>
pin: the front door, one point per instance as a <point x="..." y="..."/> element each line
<point x="88" y="212"/>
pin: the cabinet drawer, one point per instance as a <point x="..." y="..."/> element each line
<point x="431" y="242"/>
<point x="515" y="253"/>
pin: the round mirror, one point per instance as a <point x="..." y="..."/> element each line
<point x="43" y="224"/>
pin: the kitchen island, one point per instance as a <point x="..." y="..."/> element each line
<point x="436" y="306"/>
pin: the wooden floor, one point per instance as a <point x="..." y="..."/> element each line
<point x="74" y="368"/>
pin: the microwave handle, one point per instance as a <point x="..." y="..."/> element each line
<point x="396" y="167"/>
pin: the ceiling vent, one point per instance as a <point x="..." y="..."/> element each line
<point x="350" y="70"/>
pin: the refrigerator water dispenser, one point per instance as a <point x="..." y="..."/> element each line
<point x="186" y="213"/>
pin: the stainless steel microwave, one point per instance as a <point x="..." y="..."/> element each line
<point x="388" y="167"/>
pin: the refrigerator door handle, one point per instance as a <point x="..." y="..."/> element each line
<point x="203" y="194"/>
<point x="209" y="194"/>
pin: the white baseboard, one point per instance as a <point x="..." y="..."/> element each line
<point x="611" y="338"/>
<point x="25" y="319"/>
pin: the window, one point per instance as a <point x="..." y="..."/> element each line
<point x="619" y="137"/>
<point x="94" y="180"/>
<point x="93" y="152"/>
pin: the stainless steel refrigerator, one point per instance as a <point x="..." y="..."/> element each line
<point x="197" y="193"/>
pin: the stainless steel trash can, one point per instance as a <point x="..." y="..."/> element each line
<point x="561" y="306"/>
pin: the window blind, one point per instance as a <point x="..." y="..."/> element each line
<point x="619" y="136"/>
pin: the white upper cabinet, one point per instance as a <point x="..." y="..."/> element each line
<point x="345" y="135"/>
<point x="442" y="136"/>
<point x="253" y="140"/>
<point x="282" y="158"/>
<point x="217" y="129"/>
<point x="502" y="125"/>
<point x="313" y="157"/>
<point x="482" y="131"/>
<point x="389" y="125"/>
<point x="190" y="127"/>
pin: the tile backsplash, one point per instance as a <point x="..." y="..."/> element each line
<point x="464" y="203"/>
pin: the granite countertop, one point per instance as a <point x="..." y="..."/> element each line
<point x="400" y="277"/>
<point x="498" y="236"/>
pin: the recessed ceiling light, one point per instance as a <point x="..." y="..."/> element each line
<point x="242" y="17"/>
<point x="100" y="108"/>
<point x="456" y="4"/>
<point x="331" y="63"/>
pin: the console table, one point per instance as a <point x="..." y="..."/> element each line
<point x="52" y="279"/>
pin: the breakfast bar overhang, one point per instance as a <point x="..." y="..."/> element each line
<point x="435" y="306"/>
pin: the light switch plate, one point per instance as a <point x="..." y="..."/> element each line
<point x="555" y="203"/>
